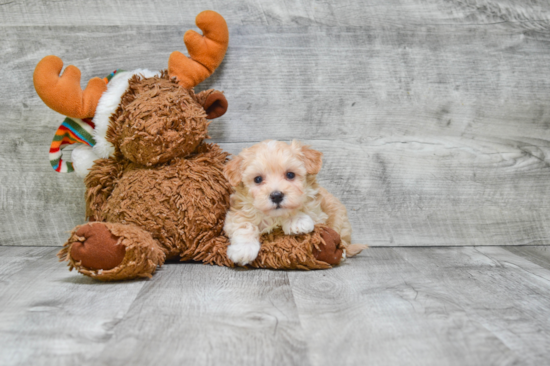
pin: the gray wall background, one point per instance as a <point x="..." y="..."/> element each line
<point x="433" y="115"/>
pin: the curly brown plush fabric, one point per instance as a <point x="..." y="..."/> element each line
<point x="159" y="121"/>
<point x="181" y="204"/>
<point x="282" y="251"/>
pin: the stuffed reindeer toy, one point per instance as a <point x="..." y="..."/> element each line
<point x="155" y="190"/>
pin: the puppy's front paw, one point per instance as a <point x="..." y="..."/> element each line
<point x="243" y="252"/>
<point x="298" y="224"/>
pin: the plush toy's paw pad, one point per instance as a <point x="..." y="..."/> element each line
<point x="330" y="252"/>
<point x="243" y="253"/>
<point x="298" y="224"/>
<point x="97" y="247"/>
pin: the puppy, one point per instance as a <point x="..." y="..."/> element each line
<point x="275" y="185"/>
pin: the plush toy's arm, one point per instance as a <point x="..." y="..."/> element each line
<point x="100" y="183"/>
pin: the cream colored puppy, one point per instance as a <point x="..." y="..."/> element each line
<point x="275" y="185"/>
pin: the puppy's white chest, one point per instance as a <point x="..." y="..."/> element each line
<point x="269" y="223"/>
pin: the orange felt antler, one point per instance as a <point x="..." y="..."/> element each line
<point x="206" y="51"/>
<point x="64" y="94"/>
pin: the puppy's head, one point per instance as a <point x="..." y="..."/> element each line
<point x="275" y="174"/>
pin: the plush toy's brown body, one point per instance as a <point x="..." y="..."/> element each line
<point x="174" y="210"/>
<point x="162" y="194"/>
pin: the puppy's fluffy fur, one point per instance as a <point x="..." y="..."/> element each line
<point x="261" y="173"/>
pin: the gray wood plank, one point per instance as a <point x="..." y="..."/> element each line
<point x="202" y="315"/>
<point x="504" y="293"/>
<point x="16" y="259"/>
<point x="529" y="269"/>
<point x="381" y="308"/>
<point x="50" y="316"/>
<point x="539" y="255"/>
<point x="532" y="14"/>
<point x="358" y="82"/>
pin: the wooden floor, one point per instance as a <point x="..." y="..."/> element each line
<point x="389" y="306"/>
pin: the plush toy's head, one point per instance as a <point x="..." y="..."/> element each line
<point x="148" y="117"/>
<point x="159" y="120"/>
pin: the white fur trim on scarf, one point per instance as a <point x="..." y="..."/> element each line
<point x="108" y="103"/>
<point x="83" y="158"/>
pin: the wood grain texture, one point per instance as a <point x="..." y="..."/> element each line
<point x="533" y="14"/>
<point x="422" y="306"/>
<point x="537" y="254"/>
<point x="389" y="306"/>
<point x="50" y="316"/>
<point x="201" y="315"/>
<point x="433" y="115"/>
<point x="498" y="296"/>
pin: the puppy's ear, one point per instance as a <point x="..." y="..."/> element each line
<point x="232" y="171"/>
<point x="313" y="159"/>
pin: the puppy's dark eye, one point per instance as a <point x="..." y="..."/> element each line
<point x="290" y="175"/>
<point x="258" y="180"/>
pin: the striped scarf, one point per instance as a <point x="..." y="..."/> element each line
<point x="72" y="131"/>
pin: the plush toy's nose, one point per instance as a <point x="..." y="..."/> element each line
<point x="276" y="197"/>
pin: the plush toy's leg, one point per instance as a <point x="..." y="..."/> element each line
<point x="330" y="250"/>
<point x="320" y="249"/>
<point x="317" y="250"/>
<point x="109" y="251"/>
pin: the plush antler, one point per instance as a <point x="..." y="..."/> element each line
<point x="64" y="94"/>
<point x="206" y="51"/>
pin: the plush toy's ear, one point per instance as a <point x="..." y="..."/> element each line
<point x="213" y="102"/>
<point x="233" y="171"/>
<point x="215" y="105"/>
<point x="313" y="159"/>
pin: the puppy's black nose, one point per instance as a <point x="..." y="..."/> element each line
<point x="276" y="197"/>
